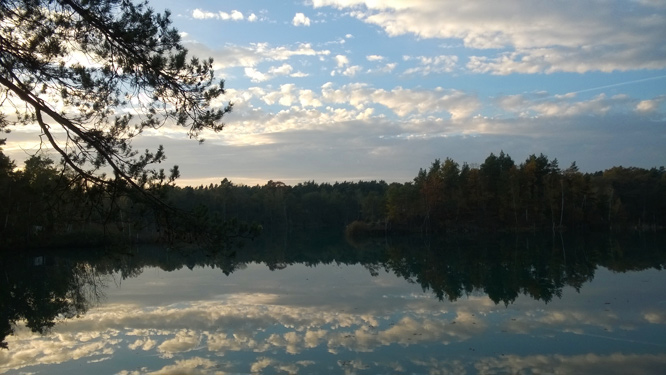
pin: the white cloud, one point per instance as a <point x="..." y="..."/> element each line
<point x="252" y="17"/>
<point x="374" y="58"/>
<point x="647" y="106"/>
<point x="569" y="36"/>
<point x="403" y="101"/>
<point x="307" y="98"/>
<point x="341" y="61"/>
<point x="189" y="366"/>
<point x="253" y="54"/>
<point x="562" y="59"/>
<point x="201" y="14"/>
<point x="34" y="349"/>
<point x="235" y="15"/>
<point x="351" y="71"/>
<point x="285" y="96"/>
<point x="387" y="68"/>
<point x="274" y="71"/>
<point x="143" y="344"/>
<point x="568" y="106"/>
<point x="300" y="19"/>
<point x="432" y="64"/>
<point x="184" y="341"/>
<point x="255" y="75"/>
<point x="284" y="69"/>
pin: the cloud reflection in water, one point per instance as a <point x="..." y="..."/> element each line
<point x="269" y="327"/>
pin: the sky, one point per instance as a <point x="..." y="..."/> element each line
<point x="348" y="90"/>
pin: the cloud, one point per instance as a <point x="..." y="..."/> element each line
<point x="143" y="344"/>
<point x="279" y="366"/>
<point x="327" y="120"/>
<point x="206" y="325"/>
<point x="190" y="366"/>
<point x="234" y="15"/>
<point x="655" y="316"/>
<point x="184" y="341"/>
<point x="569" y="320"/>
<point x="617" y="363"/>
<point x="201" y="14"/>
<point x="32" y="349"/>
<point x="432" y="64"/>
<point x="650" y="105"/>
<point x="386" y="68"/>
<point x="253" y="54"/>
<point x="300" y="20"/>
<point x="401" y="101"/>
<point x="569" y="106"/>
<point x="341" y="61"/>
<point x="343" y="67"/>
<point x="563" y="59"/>
<point x="307" y="98"/>
<point x="285" y="96"/>
<point x="284" y="69"/>
<point x="374" y="58"/>
<point x="351" y="71"/>
<point x="274" y="71"/>
<point x="533" y="37"/>
<point x="255" y="75"/>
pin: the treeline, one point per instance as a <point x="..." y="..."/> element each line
<point x="536" y="194"/>
<point x="276" y="205"/>
<point x="498" y="195"/>
<point x="43" y="204"/>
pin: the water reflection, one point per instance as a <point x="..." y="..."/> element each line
<point x="39" y="289"/>
<point x="498" y="308"/>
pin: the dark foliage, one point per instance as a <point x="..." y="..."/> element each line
<point x="499" y="195"/>
<point x="46" y="205"/>
<point x="93" y="75"/>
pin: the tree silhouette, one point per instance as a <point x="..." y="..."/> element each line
<point x="95" y="74"/>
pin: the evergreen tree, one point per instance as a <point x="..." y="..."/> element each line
<point x="74" y="68"/>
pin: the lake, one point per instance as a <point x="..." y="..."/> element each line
<point x="316" y="303"/>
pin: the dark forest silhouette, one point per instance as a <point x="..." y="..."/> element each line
<point x="43" y="205"/>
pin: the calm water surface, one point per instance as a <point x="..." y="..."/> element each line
<point x="318" y="306"/>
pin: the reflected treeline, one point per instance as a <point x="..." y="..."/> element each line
<point x="503" y="268"/>
<point x="39" y="290"/>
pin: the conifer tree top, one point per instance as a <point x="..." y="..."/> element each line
<point x="95" y="74"/>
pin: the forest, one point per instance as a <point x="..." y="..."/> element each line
<point x="498" y="195"/>
<point x="44" y="204"/>
<point x="47" y="205"/>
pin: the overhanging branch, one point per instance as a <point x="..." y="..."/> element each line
<point x="39" y="107"/>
